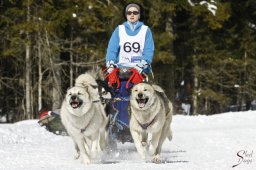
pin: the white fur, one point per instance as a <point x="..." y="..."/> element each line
<point x="159" y="109"/>
<point x="90" y="117"/>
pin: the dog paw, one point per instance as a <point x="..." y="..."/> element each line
<point x="87" y="161"/>
<point x="144" y="144"/>
<point x="156" y="159"/>
<point x="76" y="155"/>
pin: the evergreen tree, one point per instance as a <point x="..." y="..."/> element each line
<point x="213" y="50"/>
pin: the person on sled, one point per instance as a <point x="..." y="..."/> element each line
<point x="131" y="47"/>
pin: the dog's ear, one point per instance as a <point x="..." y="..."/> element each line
<point x="157" y="88"/>
<point x="69" y="88"/>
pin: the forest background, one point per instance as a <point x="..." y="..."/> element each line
<point x="207" y="48"/>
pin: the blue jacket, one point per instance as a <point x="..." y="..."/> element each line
<point x="113" y="45"/>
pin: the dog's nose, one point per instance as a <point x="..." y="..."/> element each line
<point x="140" y="95"/>
<point x="73" y="97"/>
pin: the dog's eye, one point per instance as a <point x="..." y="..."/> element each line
<point x="145" y="89"/>
<point x="79" y="93"/>
<point x="135" y="90"/>
<point x="70" y="94"/>
<point x="104" y="92"/>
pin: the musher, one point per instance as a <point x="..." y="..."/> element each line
<point x="130" y="47"/>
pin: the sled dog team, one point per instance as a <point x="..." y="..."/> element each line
<point x="86" y="121"/>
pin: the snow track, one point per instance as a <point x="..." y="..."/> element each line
<point x="199" y="143"/>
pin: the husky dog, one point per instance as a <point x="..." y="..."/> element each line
<point x="151" y="112"/>
<point x="84" y="117"/>
<point x="96" y="79"/>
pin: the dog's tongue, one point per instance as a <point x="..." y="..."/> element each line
<point x="74" y="104"/>
<point x="141" y="103"/>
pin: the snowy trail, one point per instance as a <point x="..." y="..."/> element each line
<point x="199" y="143"/>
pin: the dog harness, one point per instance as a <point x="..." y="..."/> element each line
<point x="146" y="125"/>
<point x="84" y="129"/>
<point x="135" y="78"/>
<point x="113" y="79"/>
<point x="166" y="101"/>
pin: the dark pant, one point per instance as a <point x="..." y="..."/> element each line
<point x="122" y="105"/>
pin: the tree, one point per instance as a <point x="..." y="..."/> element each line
<point x="195" y="47"/>
<point x="46" y="44"/>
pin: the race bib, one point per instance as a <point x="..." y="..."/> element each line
<point x="131" y="47"/>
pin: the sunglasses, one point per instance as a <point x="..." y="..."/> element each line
<point x="132" y="12"/>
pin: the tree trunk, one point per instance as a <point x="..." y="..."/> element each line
<point x="196" y="88"/>
<point x="28" y="70"/>
<point x="56" y="78"/>
<point x="195" y="98"/>
<point x="71" y="60"/>
<point x="40" y="76"/>
<point x="56" y="91"/>
<point x="28" y="83"/>
<point x="206" y="103"/>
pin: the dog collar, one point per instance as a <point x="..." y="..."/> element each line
<point x="96" y="101"/>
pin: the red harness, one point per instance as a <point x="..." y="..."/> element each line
<point x="113" y="78"/>
<point x="135" y="78"/>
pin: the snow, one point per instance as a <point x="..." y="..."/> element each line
<point x="199" y="143"/>
<point x="210" y="6"/>
<point x="3" y="118"/>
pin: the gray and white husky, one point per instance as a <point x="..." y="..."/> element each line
<point x="84" y="117"/>
<point x="151" y="112"/>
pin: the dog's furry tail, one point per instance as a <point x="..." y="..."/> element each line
<point x="89" y="78"/>
<point x="96" y="73"/>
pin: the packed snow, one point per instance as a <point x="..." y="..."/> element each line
<point x="200" y="142"/>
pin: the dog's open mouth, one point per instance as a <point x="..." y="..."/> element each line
<point x="75" y="104"/>
<point x="142" y="102"/>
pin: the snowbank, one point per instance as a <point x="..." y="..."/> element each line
<point x="199" y="143"/>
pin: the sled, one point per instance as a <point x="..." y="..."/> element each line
<point x="120" y="81"/>
<point x="52" y="122"/>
